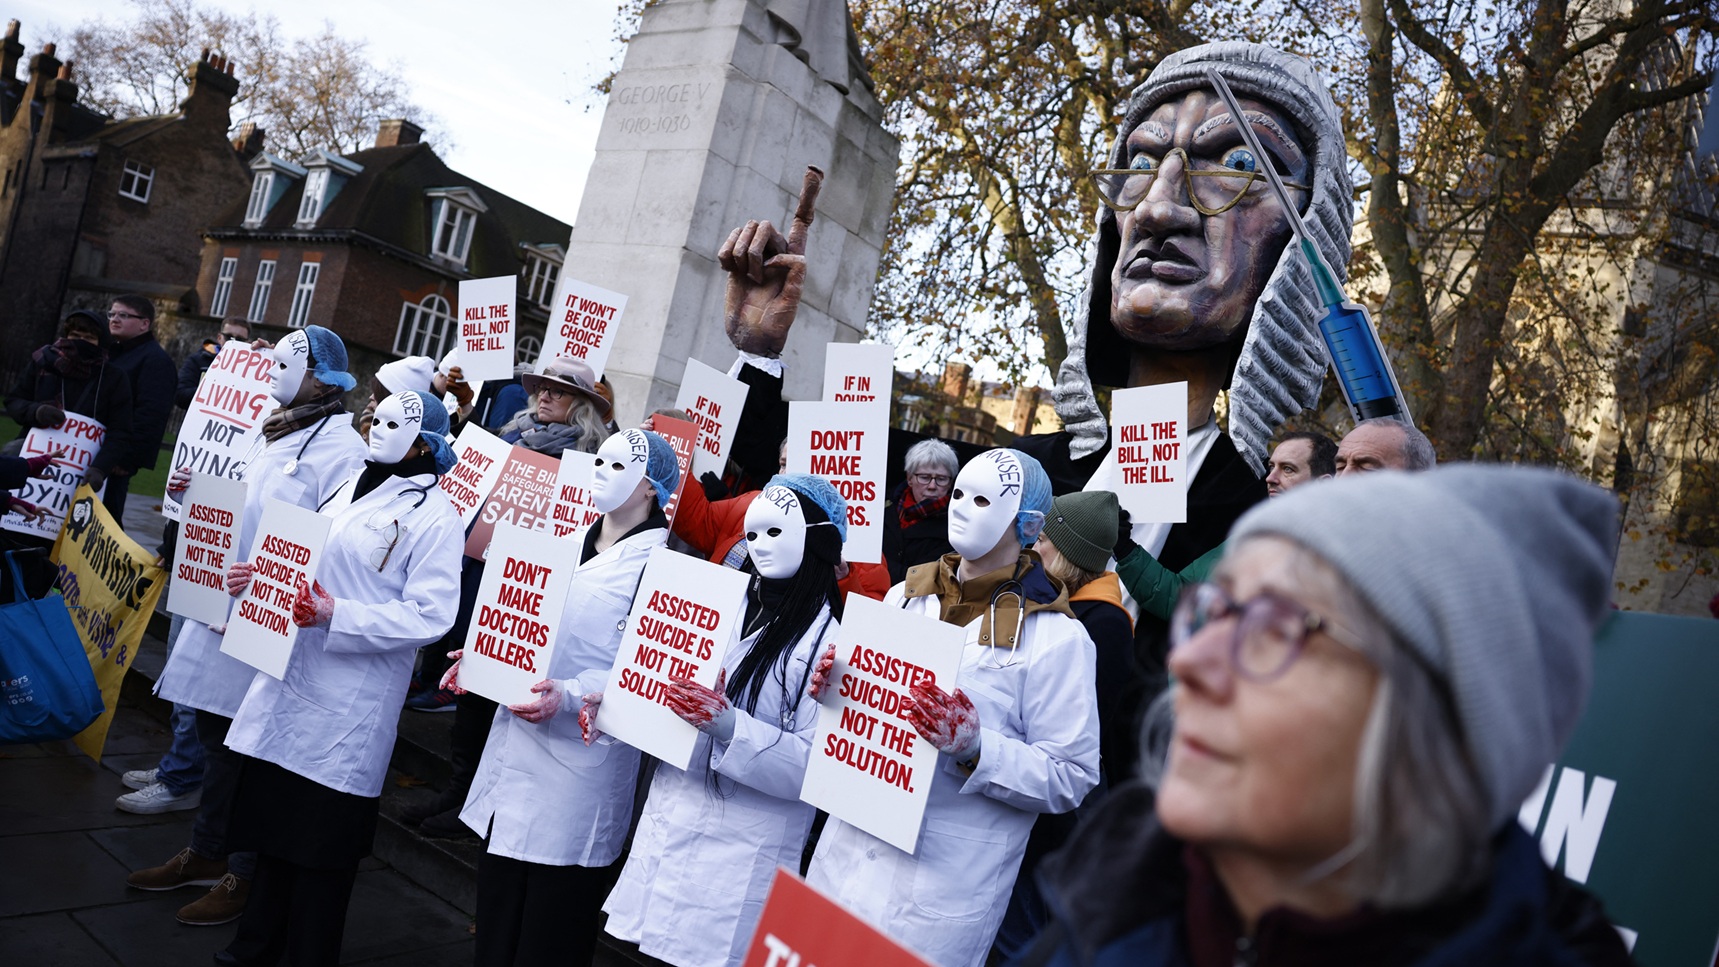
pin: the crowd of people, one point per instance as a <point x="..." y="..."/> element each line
<point x="1295" y="728"/>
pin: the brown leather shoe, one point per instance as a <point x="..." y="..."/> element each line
<point x="224" y="902"/>
<point x="184" y="869"/>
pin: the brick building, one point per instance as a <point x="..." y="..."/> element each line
<point x="91" y="206"/>
<point x="373" y="245"/>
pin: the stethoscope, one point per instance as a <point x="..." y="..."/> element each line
<point x="1011" y="586"/>
<point x="290" y="468"/>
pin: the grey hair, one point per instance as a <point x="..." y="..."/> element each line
<point x="1420" y="827"/>
<point x="1418" y="452"/>
<point x="1282" y="360"/>
<point x="933" y="452"/>
<point x="592" y="429"/>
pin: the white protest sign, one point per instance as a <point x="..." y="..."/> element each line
<point x="261" y="632"/>
<point x="682" y="621"/>
<point x="80" y="439"/>
<point x="214" y="510"/>
<point x="715" y="400"/>
<point x="479" y="457"/>
<point x="517" y="616"/>
<point x="1148" y="429"/>
<point x="487" y="327"/>
<point x="859" y="373"/>
<point x="869" y="767"/>
<point x="221" y="427"/>
<point x="573" y="510"/>
<point x="583" y="320"/>
<point x="849" y="446"/>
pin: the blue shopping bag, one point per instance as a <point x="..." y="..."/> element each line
<point x="47" y="688"/>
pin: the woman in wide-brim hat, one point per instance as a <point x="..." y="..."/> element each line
<point x="567" y="412"/>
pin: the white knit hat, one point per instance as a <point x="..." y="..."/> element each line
<point x="412" y="373"/>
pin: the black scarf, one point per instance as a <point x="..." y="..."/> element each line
<point x="374" y="473"/>
<point x="764" y="598"/>
<point x="72" y="358"/>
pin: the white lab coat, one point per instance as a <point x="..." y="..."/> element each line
<point x="332" y="718"/>
<point x="198" y="674"/>
<point x="541" y="794"/>
<point x="1038" y="718"/>
<point x="701" y="863"/>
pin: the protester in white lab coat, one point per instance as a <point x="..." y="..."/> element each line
<point x="554" y="805"/>
<point x="306" y="449"/>
<point x="1019" y="736"/>
<point x="319" y="738"/>
<point x="712" y="836"/>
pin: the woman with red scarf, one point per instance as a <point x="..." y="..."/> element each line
<point x="916" y="525"/>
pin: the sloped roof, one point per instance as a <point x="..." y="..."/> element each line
<point x="386" y="201"/>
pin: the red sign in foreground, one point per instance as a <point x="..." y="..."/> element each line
<point x="801" y="927"/>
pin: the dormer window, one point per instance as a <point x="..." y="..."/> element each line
<point x="270" y="179"/>
<point x="453" y="217"/>
<point x="262" y="185"/>
<point x="542" y="270"/>
<point x="328" y="174"/>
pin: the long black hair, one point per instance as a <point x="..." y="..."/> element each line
<point x="796" y="602"/>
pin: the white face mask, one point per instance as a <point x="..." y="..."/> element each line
<point x="399" y="419"/>
<point x="621" y="462"/>
<point x="776" y="533"/>
<point x="292" y="358"/>
<point x="984" y="502"/>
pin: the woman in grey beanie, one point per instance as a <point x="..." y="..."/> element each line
<point x="1377" y="676"/>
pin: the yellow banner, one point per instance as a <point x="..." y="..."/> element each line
<point x="110" y="584"/>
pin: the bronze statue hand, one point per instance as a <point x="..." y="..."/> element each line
<point x="765" y="275"/>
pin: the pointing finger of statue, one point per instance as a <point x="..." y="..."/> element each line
<point x="803" y="213"/>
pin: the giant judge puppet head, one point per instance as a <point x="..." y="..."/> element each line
<point x="1184" y="264"/>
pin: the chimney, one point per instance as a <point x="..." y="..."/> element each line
<point x="397" y="131"/>
<point x="60" y="96"/>
<point x="43" y="68"/>
<point x="249" y="143"/>
<point x="211" y="90"/>
<point x="1026" y="408"/>
<point x="955" y="382"/>
<point x="11" y="51"/>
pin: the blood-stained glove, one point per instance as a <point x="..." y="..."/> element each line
<point x="949" y="722"/>
<point x="23" y="508"/>
<point x="713" y="487"/>
<point x="43" y="463"/>
<point x="458" y="386"/>
<point x="180" y="480"/>
<point x="588" y="716"/>
<point x="312" y="607"/>
<point x="49" y="416"/>
<point x="239" y="577"/>
<point x="451" y="677"/>
<point x="821" y="674"/>
<point x="548" y="703"/>
<point x="705" y="709"/>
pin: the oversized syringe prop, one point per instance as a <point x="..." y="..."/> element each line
<point x="1363" y="370"/>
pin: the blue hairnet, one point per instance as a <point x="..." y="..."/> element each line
<point x="435" y="430"/>
<point x="661" y="468"/>
<point x="1036" y="499"/>
<point x="819" y="491"/>
<point x="330" y="355"/>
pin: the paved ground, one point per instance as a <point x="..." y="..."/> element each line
<point x="63" y="898"/>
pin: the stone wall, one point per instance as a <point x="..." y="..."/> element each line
<point x="712" y="121"/>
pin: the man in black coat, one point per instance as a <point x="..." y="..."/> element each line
<point x="195" y="365"/>
<point x="150" y="373"/>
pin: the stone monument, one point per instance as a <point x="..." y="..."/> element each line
<point x="717" y="110"/>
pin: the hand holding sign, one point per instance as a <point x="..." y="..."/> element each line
<point x="765" y="275"/>
<point x="949" y="722"/>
